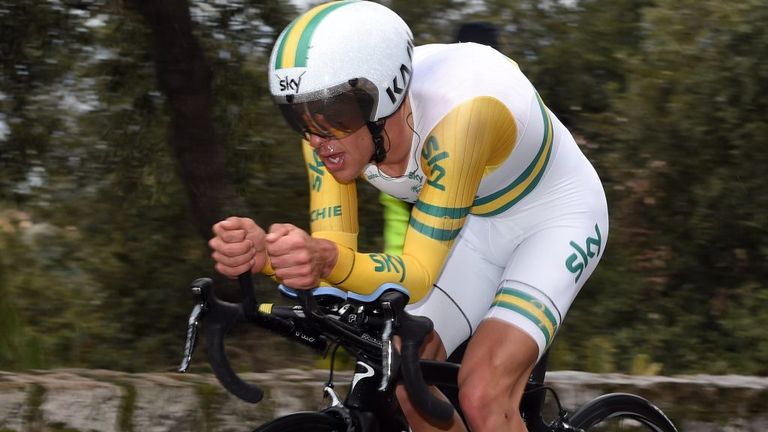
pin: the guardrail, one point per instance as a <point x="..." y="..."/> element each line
<point x="99" y="400"/>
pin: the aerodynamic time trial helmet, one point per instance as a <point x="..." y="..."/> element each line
<point x="340" y="66"/>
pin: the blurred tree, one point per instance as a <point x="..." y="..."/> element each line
<point x="184" y="76"/>
<point x="428" y="19"/>
<point x="667" y="99"/>
<point x="694" y="124"/>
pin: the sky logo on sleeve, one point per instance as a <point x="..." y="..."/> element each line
<point x="316" y="167"/>
<point x="386" y="263"/>
<point x="433" y="157"/>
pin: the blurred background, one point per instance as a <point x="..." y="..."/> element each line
<point x="127" y="128"/>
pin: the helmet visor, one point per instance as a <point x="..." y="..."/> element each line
<point x="331" y="117"/>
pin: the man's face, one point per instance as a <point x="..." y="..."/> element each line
<point x="344" y="158"/>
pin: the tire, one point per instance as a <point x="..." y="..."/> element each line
<point x="620" y="412"/>
<point x="304" y="422"/>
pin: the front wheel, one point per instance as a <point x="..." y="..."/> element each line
<point x="305" y="422"/>
<point x="620" y="412"/>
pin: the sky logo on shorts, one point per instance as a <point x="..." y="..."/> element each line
<point x="578" y="261"/>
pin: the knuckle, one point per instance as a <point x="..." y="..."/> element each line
<point x="242" y="248"/>
<point x="226" y="250"/>
<point x="304" y="256"/>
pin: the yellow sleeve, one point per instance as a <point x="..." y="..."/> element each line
<point x="454" y="157"/>
<point x="332" y="205"/>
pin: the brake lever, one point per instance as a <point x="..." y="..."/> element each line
<point x="413" y="330"/>
<point x="390" y="357"/>
<point x="200" y="289"/>
<point x="308" y="303"/>
<point x="390" y="360"/>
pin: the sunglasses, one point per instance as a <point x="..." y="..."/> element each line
<point x="333" y="117"/>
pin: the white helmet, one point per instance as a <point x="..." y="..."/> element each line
<point x="341" y="65"/>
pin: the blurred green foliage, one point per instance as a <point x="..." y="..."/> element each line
<point x="97" y="243"/>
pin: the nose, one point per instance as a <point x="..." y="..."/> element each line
<point x="316" y="140"/>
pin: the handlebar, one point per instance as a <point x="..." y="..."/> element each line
<point x="310" y="325"/>
<point x="221" y="317"/>
<point x="413" y="330"/>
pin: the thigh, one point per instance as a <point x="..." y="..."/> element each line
<point x="544" y="275"/>
<point x="498" y="352"/>
<point x="493" y="375"/>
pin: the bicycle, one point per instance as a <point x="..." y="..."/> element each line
<point x="328" y="318"/>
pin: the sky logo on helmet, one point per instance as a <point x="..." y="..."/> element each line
<point x="290" y="84"/>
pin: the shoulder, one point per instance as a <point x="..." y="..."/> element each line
<point x="447" y="76"/>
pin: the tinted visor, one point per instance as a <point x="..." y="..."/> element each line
<point x="330" y="117"/>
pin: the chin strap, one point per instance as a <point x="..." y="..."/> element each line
<point x="379" y="152"/>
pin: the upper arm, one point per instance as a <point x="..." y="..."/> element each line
<point x="472" y="137"/>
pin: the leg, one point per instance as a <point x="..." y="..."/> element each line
<point x="493" y="375"/>
<point x="535" y="293"/>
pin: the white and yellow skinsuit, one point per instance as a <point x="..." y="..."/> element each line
<point x="510" y="218"/>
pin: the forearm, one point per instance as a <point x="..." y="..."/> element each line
<point x="363" y="273"/>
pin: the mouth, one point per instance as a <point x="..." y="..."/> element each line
<point x="333" y="162"/>
<point x="332" y="158"/>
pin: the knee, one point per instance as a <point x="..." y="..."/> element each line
<point x="493" y="376"/>
<point x="477" y="403"/>
<point x="489" y="399"/>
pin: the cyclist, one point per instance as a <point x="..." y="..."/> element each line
<point x="509" y="217"/>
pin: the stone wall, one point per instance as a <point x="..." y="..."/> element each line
<point x="98" y="400"/>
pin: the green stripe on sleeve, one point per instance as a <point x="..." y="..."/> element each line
<point x="432" y="232"/>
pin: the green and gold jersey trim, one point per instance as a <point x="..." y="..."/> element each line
<point x="500" y="201"/>
<point x="530" y="307"/>
<point x="435" y="233"/>
<point x="294" y="46"/>
<point x="438" y="216"/>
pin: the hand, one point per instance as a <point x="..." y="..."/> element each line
<point x="299" y="260"/>
<point x="238" y="246"/>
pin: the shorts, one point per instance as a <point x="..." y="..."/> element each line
<point x="526" y="265"/>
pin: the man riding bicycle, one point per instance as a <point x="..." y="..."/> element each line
<point x="509" y="217"/>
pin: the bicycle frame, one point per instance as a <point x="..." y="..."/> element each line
<point x="371" y="408"/>
<point x="365" y="402"/>
<point x="370" y="403"/>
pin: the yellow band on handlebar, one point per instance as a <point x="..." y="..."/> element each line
<point x="266" y="308"/>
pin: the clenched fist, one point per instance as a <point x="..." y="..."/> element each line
<point x="238" y="246"/>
